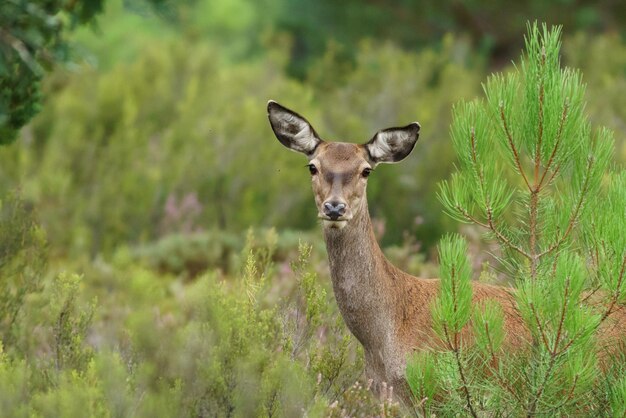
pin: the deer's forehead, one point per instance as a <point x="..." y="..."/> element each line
<point x="341" y="156"/>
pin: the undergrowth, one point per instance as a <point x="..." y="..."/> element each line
<point x="126" y="340"/>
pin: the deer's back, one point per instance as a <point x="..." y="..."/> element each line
<point x="414" y="321"/>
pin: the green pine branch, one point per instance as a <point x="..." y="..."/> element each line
<point x="534" y="174"/>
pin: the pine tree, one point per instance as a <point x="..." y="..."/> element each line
<point x="535" y="175"/>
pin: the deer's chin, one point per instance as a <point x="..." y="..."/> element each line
<point x="334" y="224"/>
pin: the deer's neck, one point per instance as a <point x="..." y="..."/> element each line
<point x="362" y="279"/>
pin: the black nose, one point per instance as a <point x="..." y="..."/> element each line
<point x="334" y="210"/>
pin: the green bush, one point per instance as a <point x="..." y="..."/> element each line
<point x="22" y="262"/>
<point x="256" y="344"/>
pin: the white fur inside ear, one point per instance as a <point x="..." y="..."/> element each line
<point x="380" y="148"/>
<point x="287" y="122"/>
<point x="305" y="138"/>
<point x="292" y="130"/>
<point x="393" y="144"/>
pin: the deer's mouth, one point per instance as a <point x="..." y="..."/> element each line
<point x="338" y="223"/>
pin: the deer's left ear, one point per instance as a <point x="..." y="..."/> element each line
<point x="393" y="144"/>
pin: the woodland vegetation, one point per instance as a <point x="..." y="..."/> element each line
<point x="159" y="252"/>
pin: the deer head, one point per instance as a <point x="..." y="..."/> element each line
<point x="339" y="170"/>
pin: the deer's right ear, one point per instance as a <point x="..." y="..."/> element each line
<point x="292" y="130"/>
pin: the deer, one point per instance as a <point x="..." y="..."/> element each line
<point x="387" y="310"/>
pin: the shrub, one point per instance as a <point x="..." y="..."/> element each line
<point x="249" y="345"/>
<point x="22" y="261"/>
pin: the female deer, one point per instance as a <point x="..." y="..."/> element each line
<point x="386" y="309"/>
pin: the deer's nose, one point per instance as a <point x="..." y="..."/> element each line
<point x="334" y="209"/>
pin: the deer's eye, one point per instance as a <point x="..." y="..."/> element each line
<point x="312" y="169"/>
<point x="366" y="172"/>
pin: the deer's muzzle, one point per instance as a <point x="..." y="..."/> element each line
<point x="334" y="209"/>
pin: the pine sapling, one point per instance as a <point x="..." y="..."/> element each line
<point x="534" y="174"/>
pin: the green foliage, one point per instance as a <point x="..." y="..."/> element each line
<point x="71" y="325"/>
<point x="189" y="254"/>
<point x="488" y="327"/>
<point x="36" y="34"/>
<point x="410" y="22"/>
<point x="22" y="261"/>
<point x="358" y="402"/>
<point x="422" y="377"/>
<point x="603" y="238"/>
<point x="31" y="39"/>
<point x="613" y="394"/>
<point x="452" y="309"/>
<point x="536" y="128"/>
<point x="156" y="138"/>
<point x="536" y="177"/>
<point x="602" y="59"/>
<point x="258" y="344"/>
<point x="314" y="297"/>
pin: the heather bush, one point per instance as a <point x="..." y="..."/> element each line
<point x="188" y="255"/>
<point x="123" y="340"/>
<point x="22" y="261"/>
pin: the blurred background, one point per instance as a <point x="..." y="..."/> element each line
<point x="153" y="117"/>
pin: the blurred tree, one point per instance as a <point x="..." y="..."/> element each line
<point x="492" y="25"/>
<point x="31" y="41"/>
